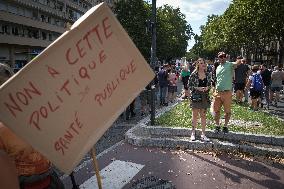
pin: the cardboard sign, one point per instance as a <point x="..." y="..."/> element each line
<point x="67" y="97"/>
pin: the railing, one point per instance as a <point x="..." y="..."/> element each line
<point x="9" y="17"/>
<point x="44" y="8"/>
<point x="18" y="40"/>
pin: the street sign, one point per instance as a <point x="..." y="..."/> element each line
<point x="68" y="96"/>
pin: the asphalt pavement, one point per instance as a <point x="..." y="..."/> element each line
<point x="130" y="167"/>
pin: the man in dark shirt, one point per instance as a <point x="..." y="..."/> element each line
<point x="163" y="83"/>
<point x="241" y="74"/>
<point x="266" y="75"/>
<point x="266" y="78"/>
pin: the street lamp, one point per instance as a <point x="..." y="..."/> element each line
<point x="153" y="59"/>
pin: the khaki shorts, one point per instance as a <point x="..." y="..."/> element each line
<point x="222" y="98"/>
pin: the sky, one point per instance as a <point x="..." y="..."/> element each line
<point x="196" y="11"/>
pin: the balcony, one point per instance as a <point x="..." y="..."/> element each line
<point x="16" y="40"/>
<point x="44" y="8"/>
<point x="9" y="17"/>
<point x="75" y="6"/>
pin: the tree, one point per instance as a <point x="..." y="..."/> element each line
<point x="132" y="15"/>
<point x="173" y="33"/>
<point x="248" y="24"/>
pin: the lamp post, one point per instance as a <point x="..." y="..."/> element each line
<point x="153" y="59"/>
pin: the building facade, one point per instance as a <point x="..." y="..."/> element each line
<point x="29" y="26"/>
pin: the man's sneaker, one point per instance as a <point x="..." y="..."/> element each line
<point x="204" y="138"/>
<point x="217" y="129"/>
<point x="225" y="130"/>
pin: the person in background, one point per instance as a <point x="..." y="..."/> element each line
<point x="266" y="78"/>
<point x="163" y="84"/>
<point x="172" y="88"/>
<point x="129" y="113"/>
<point x="222" y="95"/>
<point x="200" y="84"/>
<point x="178" y="69"/>
<point x="185" y="73"/>
<point x="34" y="171"/>
<point x="276" y="84"/>
<point x="241" y="74"/>
<point x="255" y="84"/>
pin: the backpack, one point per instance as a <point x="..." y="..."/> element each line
<point x="257" y="82"/>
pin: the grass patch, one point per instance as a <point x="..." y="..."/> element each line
<point x="180" y="116"/>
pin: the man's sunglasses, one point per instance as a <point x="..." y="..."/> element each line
<point x="222" y="56"/>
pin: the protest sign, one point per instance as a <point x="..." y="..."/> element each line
<point x="67" y="97"/>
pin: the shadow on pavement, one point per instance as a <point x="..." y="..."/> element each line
<point x="236" y="176"/>
<point x="250" y="166"/>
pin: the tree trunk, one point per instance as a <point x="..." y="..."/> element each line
<point x="281" y="53"/>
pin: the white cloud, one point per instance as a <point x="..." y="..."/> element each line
<point x="196" y="11"/>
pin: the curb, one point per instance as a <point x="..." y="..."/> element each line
<point x="142" y="135"/>
<point x="231" y="136"/>
<point x="169" y="137"/>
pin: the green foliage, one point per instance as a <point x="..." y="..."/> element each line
<point x="132" y="15"/>
<point x="180" y="116"/>
<point x="250" y="24"/>
<point x="173" y="31"/>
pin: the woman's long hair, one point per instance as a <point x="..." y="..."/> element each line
<point x="196" y="69"/>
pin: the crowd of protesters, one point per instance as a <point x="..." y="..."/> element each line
<point x="224" y="78"/>
<point x="227" y="78"/>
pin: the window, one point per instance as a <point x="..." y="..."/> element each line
<point x="29" y="13"/>
<point x="35" y="34"/>
<point x="15" y="30"/>
<point x="21" y="31"/>
<point x="48" y="19"/>
<point x="35" y="15"/>
<point x="6" y="29"/>
<point x="1" y="29"/>
<point x="43" y="34"/>
<point x="57" y="22"/>
<point x="3" y="6"/>
<point x="52" y="21"/>
<point x="21" y="11"/>
<point x="42" y="17"/>
<point x="50" y="37"/>
<point x="29" y="33"/>
<point x="12" y="9"/>
<point x="25" y="32"/>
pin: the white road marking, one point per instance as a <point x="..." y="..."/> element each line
<point x="114" y="176"/>
<point x="88" y="161"/>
